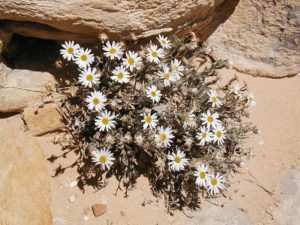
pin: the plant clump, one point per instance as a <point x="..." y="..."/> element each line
<point x="155" y="111"/>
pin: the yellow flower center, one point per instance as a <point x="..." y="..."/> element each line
<point x="210" y="119"/>
<point x="112" y="51"/>
<point x="153" y="93"/>
<point x="102" y="159"/>
<point x="163" y="137"/>
<point x="70" y="50"/>
<point x="163" y="42"/>
<point x="175" y="68"/>
<point x="89" y="77"/>
<point x="120" y="75"/>
<point x="219" y="134"/>
<point x="214" y="182"/>
<point x="96" y="101"/>
<point x="130" y="60"/>
<point x="214" y="99"/>
<point x="83" y="57"/>
<point x="105" y="121"/>
<point x="154" y="54"/>
<point x="177" y="159"/>
<point x="148" y="119"/>
<point x="167" y="76"/>
<point x="202" y="175"/>
<point x="204" y="135"/>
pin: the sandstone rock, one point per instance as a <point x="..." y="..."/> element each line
<point x="20" y="88"/>
<point x="5" y="37"/>
<point x="261" y="38"/>
<point x="288" y="211"/>
<point x="43" y="120"/>
<point x="99" y="209"/>
<point x="24" y="179"/>
<point x="215" y="215"/>
<point x="86" y="20"/>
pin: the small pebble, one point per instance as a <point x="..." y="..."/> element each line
<point x="85" y="218"/>
<point x="72" y="198"/>
<point x="73" y="184"/>
<point x="99" y="209"/>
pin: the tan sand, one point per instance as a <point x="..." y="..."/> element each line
<point x="275" y="154"/>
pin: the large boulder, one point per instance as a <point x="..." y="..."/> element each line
<point x="86" y="20"/>
<point x="24" y="178"/>
<point x="261" y="38"/>
<point x="21" y="88"/>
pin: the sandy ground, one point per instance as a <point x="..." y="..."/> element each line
<point x="275" y="154"/>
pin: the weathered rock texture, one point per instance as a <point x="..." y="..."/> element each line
<point x="21" y="88"/>
<point x="24" y="179"/>
<point x="288" y="211"/>
<point x="43" y="120"/>
<point x="262" y="38"/>
<point x="216" y="215"/>
<point x="86" y="20"/>
<point x="5" y="37"/>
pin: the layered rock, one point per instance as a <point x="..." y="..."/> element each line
<point x="24" y="179"/>
<point x="21" y="88"/>
<point x="261" y="38"/>
<point x="86" y="20"/>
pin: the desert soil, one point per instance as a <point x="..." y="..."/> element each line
<point x="254" y="192"/>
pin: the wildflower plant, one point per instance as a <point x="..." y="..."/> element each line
<point x="155" y="111"/>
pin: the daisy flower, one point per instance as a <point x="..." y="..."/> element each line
<point x="88" y="77"/>
<point x="84" y="58"/>
<point x="210" y="119"/>
<point x="202" y="175"/>
<point x="189" y="120"/>
<point x="113" y="50"/>
<point x="120" y="75"/>
<point x="164" y="136"/>
<point x="132" y="60"/>
<point x="153" y="93"/>
<point x="105" y="121"/>
<point x="164" y="41"/>
<point x="150" y="121"/>
<point x="69" y="50"/>
<point x="204" y="135"/>
<point x="177" y="161"/>
<point x="250" y="100"/>
<point x="154" y="54"/>
<point x="215" y="183"/>
<point x="237" y="90"/>
<point x="177" y="68"/>
<point x="104" y="158"/>
<point x="219" y="134"/>
<point x="213" y="98"/>
<point x="96" y="101"/>
<point x="167" y="76"/>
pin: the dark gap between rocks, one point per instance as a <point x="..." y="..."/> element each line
<point x="27" y="53"/>
<point x="32" y="54"/>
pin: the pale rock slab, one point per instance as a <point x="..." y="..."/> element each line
<point x="24" y="178"/>
<point x="86" y="20"/>
<point x="288" y="211"/>
<point x="261" y="38"/>
<point x="216" y="215"/>
<point x="21" y="88"/>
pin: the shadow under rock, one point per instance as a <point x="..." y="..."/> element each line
<point x="38" y="55"/>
